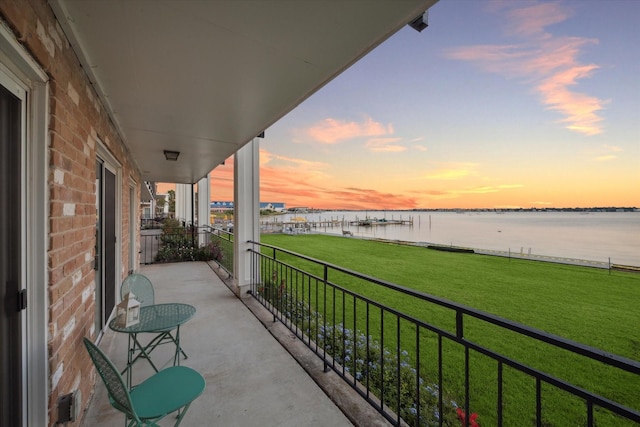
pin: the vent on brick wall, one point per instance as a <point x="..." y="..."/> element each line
<point x="68" y="406"/>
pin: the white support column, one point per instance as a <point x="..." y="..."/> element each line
<point x="184" y="202"/>
<point x="246" y="216"/>
<point x="204" y="209"/>
<point x="152" y="203"/>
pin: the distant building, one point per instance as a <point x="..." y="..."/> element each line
<point x="219" y="206"/>
<point x="274" y="206"/>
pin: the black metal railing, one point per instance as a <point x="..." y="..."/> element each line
<point x="154" y="222"/>
<point x="179" y="244"/>
<point x="425" y="362"/>
<point x="224" y="240"/>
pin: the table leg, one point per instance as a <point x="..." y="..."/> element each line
<point x="176" y="358"/>
<point x="133" y="346"/>
<point x="143" y="352"/>
<point x="131" y="350"/>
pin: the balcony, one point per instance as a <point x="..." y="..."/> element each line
<point x="252" y="379"/>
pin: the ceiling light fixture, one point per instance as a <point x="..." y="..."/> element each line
<point x="171" y="155"/>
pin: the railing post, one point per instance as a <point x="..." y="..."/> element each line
<point x="459" y="325"/>
<point x="324" y="317"/>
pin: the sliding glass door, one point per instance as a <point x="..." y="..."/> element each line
<point x="12" y="296"/>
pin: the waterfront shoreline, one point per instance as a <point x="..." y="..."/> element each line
<point x="605" y="237"/>
<point x="504" y="254"/>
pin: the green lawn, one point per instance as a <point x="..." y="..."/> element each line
<point x="583" y="304"/>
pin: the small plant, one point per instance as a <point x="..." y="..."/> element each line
<point x="462" y="416"/>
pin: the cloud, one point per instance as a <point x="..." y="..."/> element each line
<point x="532" y="20"/>
<point x="547" y="62"/>
<point x="453" y="171"/>
<point x="605" y="158"/>
<point x="508" y="186"/>
<point x="612" y="148"/>
<point x="305" y="183"/>
<point x="385" y="145"/>
<point x="580" y="110"/>
<point x="363" y="198"/>
<point x="283" y="173"/>
<point x="605" y="153"/>
<point x="299" y="193"/>
<point x="453" y="193"/>
<point x="479" y="190"/>
<point x="416" y="145"/>
<point x="541" y="203"/>
<point x="267" y="157"/>
<point x="332" y="131"/>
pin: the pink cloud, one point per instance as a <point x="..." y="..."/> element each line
<point x="332" y="131"/>
<point x="299" y="182"/>
<point x="548" y="62"/>
<point x="580" y="110"/>
<point x="363" y="198"/>
<point x="531" y="20"/>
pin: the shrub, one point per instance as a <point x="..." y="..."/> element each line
<point x="380" y="367"/>
<point x="178" y="244"/>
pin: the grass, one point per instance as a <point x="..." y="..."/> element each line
<point x="583" y="304"/>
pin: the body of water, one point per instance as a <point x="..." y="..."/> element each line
<point x="593" y="236"/>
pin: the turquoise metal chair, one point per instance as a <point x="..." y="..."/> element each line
<point x="141" y="286"/>
<point x="169" y="390"/>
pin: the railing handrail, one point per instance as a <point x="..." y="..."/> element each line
<point x="220" y="231"/>
<point x="593" y="353"/>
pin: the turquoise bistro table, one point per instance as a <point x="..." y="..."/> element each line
<point x="160" y="319"/>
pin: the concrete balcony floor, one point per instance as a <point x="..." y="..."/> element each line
<point x="253" y="367"/>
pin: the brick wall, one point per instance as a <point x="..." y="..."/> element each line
<point x="77" y="121"/>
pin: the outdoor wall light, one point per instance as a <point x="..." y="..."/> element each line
<point x="171" y="155"/>
<point x="420" y="22"/>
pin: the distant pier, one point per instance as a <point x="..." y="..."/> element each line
<point x="301" y="225"/>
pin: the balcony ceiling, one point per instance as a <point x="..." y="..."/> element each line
<point x="205" y="77"/>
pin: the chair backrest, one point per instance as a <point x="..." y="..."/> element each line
<point x="141" y="287"/>
<point x="118" y="393"/>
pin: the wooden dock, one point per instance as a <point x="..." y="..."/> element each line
<point x="371" y="222"/>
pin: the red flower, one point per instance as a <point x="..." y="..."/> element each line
<point x="462" y="415"/>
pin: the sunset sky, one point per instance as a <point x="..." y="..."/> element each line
<point x="496" y="104"/>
